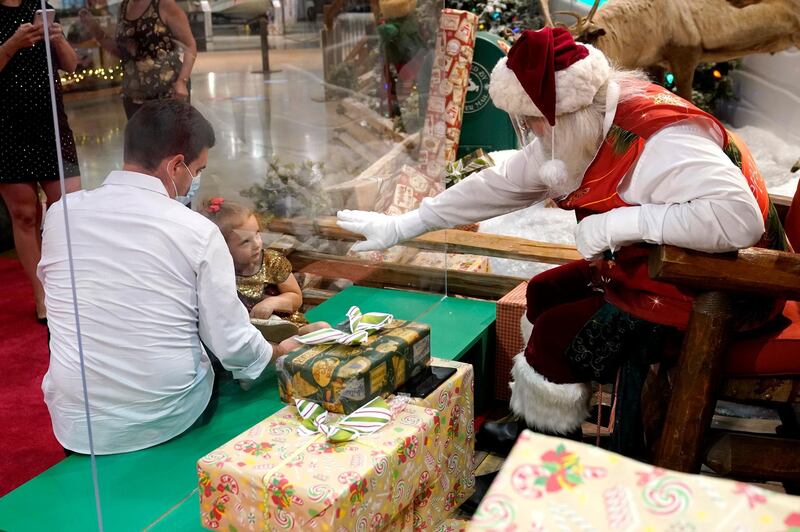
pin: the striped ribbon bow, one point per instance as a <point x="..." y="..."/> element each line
<point x="366" y="420"/>
<point x="361" y="325"/>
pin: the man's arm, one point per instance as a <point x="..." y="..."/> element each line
<point x="687" y="193"/>
<point x="224" y="323"/>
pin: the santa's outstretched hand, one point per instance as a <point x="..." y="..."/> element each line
<point x="381" y="230"/>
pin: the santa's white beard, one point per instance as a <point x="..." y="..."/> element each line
<point x="577" y="139"/>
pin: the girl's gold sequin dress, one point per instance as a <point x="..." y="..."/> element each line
<point x="275" y="269"/>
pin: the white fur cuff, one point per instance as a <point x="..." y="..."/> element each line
<point x="549" y="407"/>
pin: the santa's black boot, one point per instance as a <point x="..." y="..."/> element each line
<point x="498" y="437"/>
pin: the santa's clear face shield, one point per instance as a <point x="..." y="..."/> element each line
<point x="529" y="128"/>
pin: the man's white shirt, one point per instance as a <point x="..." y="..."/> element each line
<point x="153" y="279"/>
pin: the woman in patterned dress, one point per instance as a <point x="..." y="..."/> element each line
<point x="151" y="36"/>
<point x="27" y="134"/>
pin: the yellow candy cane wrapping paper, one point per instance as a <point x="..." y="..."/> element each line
<point x="552" y="484"/>
<point x="272" y="478"/>
<point x="454" y="481"/>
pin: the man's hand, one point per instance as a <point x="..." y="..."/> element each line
<point x="382" y="231"/>
<point x="262" y="310"/>
<point x="26" y="36"/>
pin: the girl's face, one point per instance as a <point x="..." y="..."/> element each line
<point x="245" y="244"/>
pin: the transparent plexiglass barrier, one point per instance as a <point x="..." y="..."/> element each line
<point x="295" y="115"/>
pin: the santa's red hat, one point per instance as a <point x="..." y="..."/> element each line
<point x="548" y="74"/>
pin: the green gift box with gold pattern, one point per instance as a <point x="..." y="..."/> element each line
<point x="343" y="378"/>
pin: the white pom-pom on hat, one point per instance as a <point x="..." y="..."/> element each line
<point x="554" y="175"/>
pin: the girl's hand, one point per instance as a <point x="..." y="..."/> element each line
<point x="181" y="90"/>
<point x="262" y="310"/>
<point x="26" y="36"/>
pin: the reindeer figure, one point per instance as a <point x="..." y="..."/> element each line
<point x="680" y="34"/>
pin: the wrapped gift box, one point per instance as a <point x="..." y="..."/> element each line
<point x="454" y="480"/>
<point x="342" y="378"/>
<point x="359" y="194"/>
<point x="510" y="309"/>
<point x="406" y="190"/>
<point x="466" y="166"/>
<point x="455" y="261"/>
<point x="455" y="45"/>
<point x="273" y="478"/>
<point x="552" y="484"/>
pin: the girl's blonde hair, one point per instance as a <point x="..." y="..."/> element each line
<point x="228" y="215"/>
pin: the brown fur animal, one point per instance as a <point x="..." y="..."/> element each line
<point x="680" y="34"/>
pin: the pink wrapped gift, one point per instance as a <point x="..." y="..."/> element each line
<point x="271" y="477"/>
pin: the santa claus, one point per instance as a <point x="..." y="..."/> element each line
<point x="639" y="166"/>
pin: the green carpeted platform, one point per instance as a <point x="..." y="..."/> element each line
<point x="156" y="488"/>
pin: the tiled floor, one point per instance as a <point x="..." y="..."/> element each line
<point x="255" y="116"/>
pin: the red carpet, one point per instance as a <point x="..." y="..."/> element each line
<point x="27" y="444"/>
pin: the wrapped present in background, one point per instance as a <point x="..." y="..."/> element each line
<point x="359" y="194"/>
<point x="548" y="483"/>
<point x="342" y="378"/>
<point x="393" y="255"/>
<point x="469" y="164"/>
<point x="272" y="477"/>
<point x="406" y="190"/>
<point x="455" y="45"/>
<point x="510" y="309"/>
<point x="454" y="481"/>
<point x="454" y="261"/>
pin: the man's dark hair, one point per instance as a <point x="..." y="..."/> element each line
<point x="164" y="128"/>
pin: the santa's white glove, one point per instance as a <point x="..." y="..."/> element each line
<point x="381" y="231"/>
<point x="607" y="231"/>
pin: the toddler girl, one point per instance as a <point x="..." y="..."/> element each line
<point x="264" y="278"/>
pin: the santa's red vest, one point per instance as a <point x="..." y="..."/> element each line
<point x="624" y="278"/>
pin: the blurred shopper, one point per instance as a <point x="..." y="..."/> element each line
<point x="27" y="137"/>
<point x="151" y="37"/>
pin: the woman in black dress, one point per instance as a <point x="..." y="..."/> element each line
<point x="27" y="135"/>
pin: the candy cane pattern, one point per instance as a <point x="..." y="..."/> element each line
<point x="621" y="514"/>
<point x="495" y="513"/>
<point x="523" y="480"/>
<point x="666" y="496"/>
<point x="712" y="493"/>
<point x="319" y="492"/>
<point x="564" y="515"/>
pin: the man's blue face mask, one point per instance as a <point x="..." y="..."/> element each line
<point x="193" y="188"/>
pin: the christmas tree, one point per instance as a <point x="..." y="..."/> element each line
<point x="712" y="84"/>
<point x="502" y="18"/>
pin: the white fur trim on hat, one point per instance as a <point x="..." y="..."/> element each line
<point x="576" y="85"/>
<point x="549" y="407"/>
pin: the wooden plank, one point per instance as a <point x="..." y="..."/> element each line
<point x="359" y="148"/>
<point x="314" y="296"/>
<point x="451" y="240"/>
<point x="381" y="275"/>
<point x="753" y="270"/>
<point x="691" y="405"/>
<point x="754" y="457"/>
<point x="370" y="141"/>
<point x="359" y="111"/>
